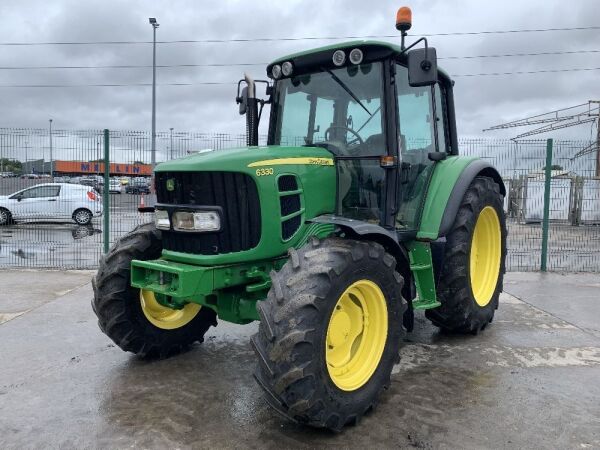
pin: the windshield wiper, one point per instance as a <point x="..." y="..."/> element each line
<point x="368" y="120"/>
<point x="347" y="89"/>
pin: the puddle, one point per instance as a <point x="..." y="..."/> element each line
<point x="66" y="245"/>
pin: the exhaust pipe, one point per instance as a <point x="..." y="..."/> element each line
<point x="251" y="112"/>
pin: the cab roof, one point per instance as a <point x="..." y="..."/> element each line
<point x="340" y="45"/>
<point x="373" y="50"/>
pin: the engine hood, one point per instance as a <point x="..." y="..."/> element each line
<point x="285" y="210"/>
<point x="246" y="159"/>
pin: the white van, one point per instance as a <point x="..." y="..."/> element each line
<point x="51" y="201"/>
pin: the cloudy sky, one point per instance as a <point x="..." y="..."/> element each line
<point x="481" y="100"/>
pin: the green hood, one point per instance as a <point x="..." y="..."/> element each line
<point x="248" y="159"/>
<point x="315" y="174"/>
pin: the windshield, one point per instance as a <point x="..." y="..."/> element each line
<point x="338" y="109"/>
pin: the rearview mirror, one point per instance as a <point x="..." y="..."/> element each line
<point x="422" y="67"/>
<point x="243" y="101"/>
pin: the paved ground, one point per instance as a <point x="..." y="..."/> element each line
<point x="529" y="381"/>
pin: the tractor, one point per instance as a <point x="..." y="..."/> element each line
<point x="358" y="212"/>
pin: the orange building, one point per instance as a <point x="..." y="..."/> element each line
<point x="84" y="167"/>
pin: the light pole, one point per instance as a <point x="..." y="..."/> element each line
<point x="51" y="160"/>
<point x="171" y="129"/>
<point x="155" y="25"/>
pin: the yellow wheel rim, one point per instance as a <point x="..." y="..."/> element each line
<point x="163" y="317"/>
<point x="485" y="255"/>
<point x="356" y="335"/>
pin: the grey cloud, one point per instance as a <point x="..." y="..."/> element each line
<point x="481" y="101"/>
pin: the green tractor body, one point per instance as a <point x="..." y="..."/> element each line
<point x="255" y="212"/>
<point x="359" y="209"/>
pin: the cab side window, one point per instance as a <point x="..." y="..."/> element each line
<point x="416" y="139"/>
<point x="415" y="119"/>
<point x="441" y="119"/>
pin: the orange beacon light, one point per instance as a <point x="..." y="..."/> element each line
<point x="404" y="19"/>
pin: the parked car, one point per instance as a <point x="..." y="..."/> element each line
<point x="96" y="182"/>
<point x="114" y="186"/>
<point x="137" y="186"/>
<point x="51" y="201"/>
<point x="31" y="176"/>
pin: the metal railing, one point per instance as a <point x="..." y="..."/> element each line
<point x="572" y="228"/>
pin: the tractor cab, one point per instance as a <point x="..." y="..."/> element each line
<point x="383" y="111"/>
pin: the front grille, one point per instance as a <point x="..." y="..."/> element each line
<point x="235" y="193"/>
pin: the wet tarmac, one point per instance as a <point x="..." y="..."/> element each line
<point x="530" y="380"/>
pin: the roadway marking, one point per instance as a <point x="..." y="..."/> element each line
<point x="5" y="317"/>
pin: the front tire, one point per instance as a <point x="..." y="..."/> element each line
<point x="5" y="217"/>
<point x="474" y="264"/>
<point x="133" y="318"/>
<point x="330" y="332"/>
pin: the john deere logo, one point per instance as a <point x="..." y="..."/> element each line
<point x="170" y="184"/>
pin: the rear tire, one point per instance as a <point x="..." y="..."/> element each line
<point x="82" y="216"/>
<point x="303" y="341"/>
<point x="469" y="295"/>
<point x="118" y="305"/>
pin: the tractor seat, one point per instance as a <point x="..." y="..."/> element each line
<point x="374" y="145"/>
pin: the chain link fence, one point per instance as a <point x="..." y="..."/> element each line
<point x="46" y="239"/>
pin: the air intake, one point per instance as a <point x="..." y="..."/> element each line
<point x="290" y="205"/>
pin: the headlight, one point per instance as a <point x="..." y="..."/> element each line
<point x="196" y="221"/>
<point x="276" y="71"/>
<point x="287" y="68"/>
<point x="161" y="219"/>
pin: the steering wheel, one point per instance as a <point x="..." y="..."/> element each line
<point x="350" y="130"/>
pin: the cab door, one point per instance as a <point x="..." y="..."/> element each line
<point x="419" y="122"/>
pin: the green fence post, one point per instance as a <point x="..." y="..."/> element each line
<point x="546" y="219"/>
<point x="106" y="193"/>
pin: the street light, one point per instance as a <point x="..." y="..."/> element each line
<point x="155" y="25"/>
<point x="171" y="129"/>
<point x="51" y="160"/>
